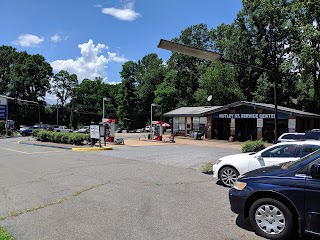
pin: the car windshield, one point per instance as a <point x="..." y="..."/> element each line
<point x="292" y="164"/>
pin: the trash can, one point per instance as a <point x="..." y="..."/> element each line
<point x="149" y="136"/>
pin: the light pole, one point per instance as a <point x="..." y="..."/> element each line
<point x="103" y="100"/>
<point x="215" y="57"/>
<point x="152" y="129"/>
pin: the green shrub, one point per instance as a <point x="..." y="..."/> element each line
<point x="10" y="133"/>
<point x="61" y="137"/>
<point x="35" y="132"/>
<point x="2" y="125"/>
<point x="76" y="138"/>
<point x="4" y="235"/>
<point x="253" y="146"/>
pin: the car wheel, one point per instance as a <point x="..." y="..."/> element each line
<point x="23" y="134"/>
<point x="228" y="175"/>
<point x="271" y="219"/>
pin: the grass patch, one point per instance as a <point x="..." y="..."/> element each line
<point x="4" y="235"/>
<point x="207" y="168"/>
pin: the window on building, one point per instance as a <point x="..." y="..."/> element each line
<point x="179" y="125"/>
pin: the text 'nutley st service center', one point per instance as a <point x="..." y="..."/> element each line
<point x="241" y="120"/>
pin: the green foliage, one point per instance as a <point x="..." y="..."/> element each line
<point x="206" y="168"/>
<point x="253" y="146"/>
<point x="4" y="235"/>
<point x="63" y="84"/>
<point x="10" y="132"/>
<point x="62" y="137"/>
<point x="2" y="125"/>
<point x="279" y="35"/>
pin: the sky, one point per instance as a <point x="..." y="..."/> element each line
<point x="94" y="38"/>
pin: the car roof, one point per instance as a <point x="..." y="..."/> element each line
<point x="293" y="133"/>
<point x="315" y="142"/>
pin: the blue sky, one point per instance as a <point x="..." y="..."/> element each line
<point x="94" y="38"/>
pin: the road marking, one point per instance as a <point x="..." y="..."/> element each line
<point x="29" y="152"/>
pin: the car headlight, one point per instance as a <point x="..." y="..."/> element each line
<point x="239" y="185"/>
<point x="218" y="161"/>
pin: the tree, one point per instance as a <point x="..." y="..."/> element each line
<point x="63" y="85"/>
<point x="219" y="81"/>
<point x="150" y="74"/>
<point x="7" y="57"/>
<point x="189" y="69"/>
<point x="304" y="50"/>
<point x="165" y="95"/>
<point x="126" y="98"/>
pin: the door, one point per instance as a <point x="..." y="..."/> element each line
<point x="312" y="206"/>
<point x="275" y="155"/>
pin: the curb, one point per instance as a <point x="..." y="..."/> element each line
<point x="43" y="145"/>
<point x="85" y="149"/>
<point x="79" y="149"/>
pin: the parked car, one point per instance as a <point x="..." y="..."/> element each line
<point x="281" y="200"/>
<point x="148" y="128"/>
<point x="62" y="129"/>
<point x="26" y="131"/>
<point x="227" y="169"/>
<point x="312" y="134"/>
<point x="290" y="137"/>
<point x="84" y="129"/>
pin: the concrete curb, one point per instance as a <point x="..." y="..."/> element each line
<point x="86" y="149"/>
<point x="43" y="145"/>
<point x="83" y="149"/>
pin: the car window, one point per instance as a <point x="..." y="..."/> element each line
<point x="307" y="149"/>
<point x="289" y="136"/>
<point x="312" y="135"/>
<point x="281" y="151"/>
<point x="293" y="164"/>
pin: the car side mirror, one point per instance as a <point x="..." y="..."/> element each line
<point x="259" y="157"/>
<point x="315" y="171"/>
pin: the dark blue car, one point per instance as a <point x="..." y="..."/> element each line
<point x="281" y="200"/>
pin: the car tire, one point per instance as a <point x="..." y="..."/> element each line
<point x="228" y="175"/>
<point x="23" y="134"/>
<point x="271" y="219"/>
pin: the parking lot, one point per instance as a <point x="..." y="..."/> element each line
<point x="139" y="190"/>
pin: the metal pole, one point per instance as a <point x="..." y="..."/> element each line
<point x="151" y="124"/>
<point x="57" y="113"/>
<point x="103" y="108"/>
<point x="39" y="114"/>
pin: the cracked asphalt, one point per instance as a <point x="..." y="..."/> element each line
<point x="136" y="191"/>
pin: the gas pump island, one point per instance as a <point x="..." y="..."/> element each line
<point x="105" y="131"/>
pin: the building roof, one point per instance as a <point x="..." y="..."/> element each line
<point x="203" y="111"/>
<point x="191" y="111"/>
<point x="268" y="106"/>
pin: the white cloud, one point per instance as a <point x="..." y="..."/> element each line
<point x="28" y="40"/>
<point x="91" y="64"/>
<point x="125" y="14"/>
<point x="58" y="38"/>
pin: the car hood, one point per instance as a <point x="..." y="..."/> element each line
<point x="274" y="170"/>
<point x="239" y="156"/>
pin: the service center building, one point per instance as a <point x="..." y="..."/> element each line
<point x="241" y="120"/>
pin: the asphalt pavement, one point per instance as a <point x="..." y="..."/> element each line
<point x="139" y="190"/>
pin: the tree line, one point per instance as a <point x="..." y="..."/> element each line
<point x="280" y="35"/>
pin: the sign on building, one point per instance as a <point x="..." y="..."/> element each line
<point x="3" y="107"/>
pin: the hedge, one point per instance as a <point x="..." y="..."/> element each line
<point x="253" y="146"/>
<point x="60" y="137"/>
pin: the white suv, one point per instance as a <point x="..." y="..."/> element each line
<point x="290" y="137"/>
